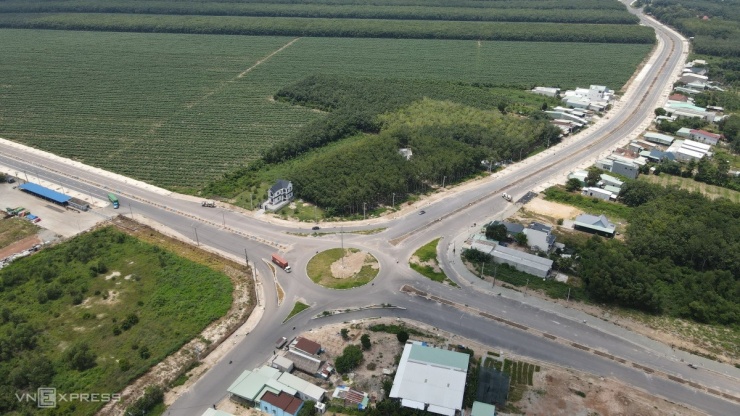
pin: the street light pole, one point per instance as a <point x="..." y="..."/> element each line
<point x="131" y="211"/>
<point x="341" y="236"/>
<point x="363" y="210"/>
<point x="394" y="200"/>
<point x="251" y="205"/>
<point x="443" y="181"/>
<point x="197" y="242"/>
<point x="223" y="216"/>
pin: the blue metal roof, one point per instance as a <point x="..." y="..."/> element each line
<point x="44" y="192"/>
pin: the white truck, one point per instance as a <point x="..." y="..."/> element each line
<point x="506" y="196"/>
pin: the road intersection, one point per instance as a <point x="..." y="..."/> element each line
<point x="449" y="215"/>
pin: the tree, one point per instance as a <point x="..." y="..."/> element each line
<point x="573" y="185"/>
<point x="308" y="409"/>
<point x="521" y="239"/>
<point x="594" y="176"/>
<point x="636" y="193"/>
<point x="660" y="111"/>
<point x="365" y="341"/>
<point x="402" y="336"/>
<point x="80" y="357"/>
<point x="345" y="334"/>
<point x="349" y="360"/>
<point x="496" y="232"/>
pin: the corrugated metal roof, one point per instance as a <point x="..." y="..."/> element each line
<point x="525" y="259"/>
<point x="45" y="192"/>
<point x="418" y="382"/>
<point x="599" y="223"/>
<point x="440" y="357"/>
<point x="313" y="391"/>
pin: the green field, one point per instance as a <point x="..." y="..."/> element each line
<point x="319" y="269"/>
<point x="127" y="303"/>
<point x="427" y="254"/>
<point x="128" y="102"/>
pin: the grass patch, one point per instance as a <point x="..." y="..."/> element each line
<point x="710" y="191"/>
<point x="521" y="373"/>
<point x="297" y="308"/>
<point x="131" y="303"/>
<point x="428" y="254"/>
<point x="319" y="269"/>
<point x="15" y="229"/>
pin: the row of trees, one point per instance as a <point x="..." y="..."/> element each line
<point x="526" y="13"/>
<point x="325" y="27"/>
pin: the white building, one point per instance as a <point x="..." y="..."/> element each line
<point x="431" y="379"/>
<point x="705" y="137"/>
<point x="524" y="262"/>
<point x="539" y="237"/>
<point x="598" y="193"/>
<point x="546" y="91"/>
<point x="280" y="194"/>
<point x="688" y="150"/>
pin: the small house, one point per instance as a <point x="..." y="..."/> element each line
<point x="597" y="193"/>
<point x="595" y="224"/>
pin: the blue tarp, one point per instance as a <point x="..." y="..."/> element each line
<point x="45" y="193"/>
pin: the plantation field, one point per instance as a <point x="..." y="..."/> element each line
<point x="330" y="27"/>
<point x="132" y="102"/>
<point x="96" y="312"/>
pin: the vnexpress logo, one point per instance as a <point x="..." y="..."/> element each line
<point x="47" y="397"/>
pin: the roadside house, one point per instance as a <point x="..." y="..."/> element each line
<point x="595" y="224"/>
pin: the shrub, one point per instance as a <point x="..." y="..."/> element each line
<point x="402" y="337"/>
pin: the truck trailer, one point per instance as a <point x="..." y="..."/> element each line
<point x="281" y="262"/>
<point x="113" y="200"/>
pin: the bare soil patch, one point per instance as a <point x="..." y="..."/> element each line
<point x="349" y="266"/>
<point x="552" y="210"/>
<point x="19" y="246"/>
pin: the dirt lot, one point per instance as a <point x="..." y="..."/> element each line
<point x="556" y="390"/>
<point x="551" y="210"/>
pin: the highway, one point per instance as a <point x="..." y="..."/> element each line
<point x="450" y="215"/>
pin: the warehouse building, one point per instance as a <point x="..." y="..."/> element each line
<point x="524" y="262"/>
<point x="431" y="379"/>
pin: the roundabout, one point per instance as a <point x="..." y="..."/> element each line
<point x="338" y="268"/>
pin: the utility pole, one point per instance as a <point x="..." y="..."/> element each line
<point x="223" y="216"/>
<point x="196" y="236"/>
<point x="443" y="181"/>
<point x="341" y="236"/>
<point x="315" y="218"/>
<point x="251" y="205"/>
<point x="131" y="211"/>
<point x="246" y="257"/>
<point x="482" y="267"/>
<point x="495" y="269"/>
<point x="363" y="210"/>
<point x="568" y="298"/>
<point x="520" y="154"/>
<point x="24" y="172"/>
<point x="525" y="287"/>
<point x="394" y="200"/>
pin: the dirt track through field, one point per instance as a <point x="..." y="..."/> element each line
<point x="242" y="74"/>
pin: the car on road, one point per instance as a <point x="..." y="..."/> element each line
<point x="316" y="227"/>
<point x="693" y="366"/>
<point x="422" y="212"/>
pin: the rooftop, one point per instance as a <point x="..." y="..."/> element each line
<point x="431" y="376"/>
<point x="308" y="346"/>
<point x="525" y="259"/>
<point x="284" y="401"/>
<point x="483" y="409"/>
<point x="45" y="192"/>
<point x="599" y="223"/>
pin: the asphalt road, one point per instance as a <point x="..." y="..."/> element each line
<point x="452" y="218"/>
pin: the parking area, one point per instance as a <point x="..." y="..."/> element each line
<point x="55" y="218"/>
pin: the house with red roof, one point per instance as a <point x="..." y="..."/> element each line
<point x="282" y="404"/>
<point x="705" y="137"/>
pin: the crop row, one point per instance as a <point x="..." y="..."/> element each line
<point x="168" y="108"/>
<point x="553" y="15"/>
<point x="230" y="7"/>
<point x="355" y="28"/>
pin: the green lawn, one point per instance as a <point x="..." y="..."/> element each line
<point x="134" y="103"/>
<point x="130" y="302"/>
<point x="428" y="254"/>
<point x="297" y="308"/>
<point x="319" y="269"/>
